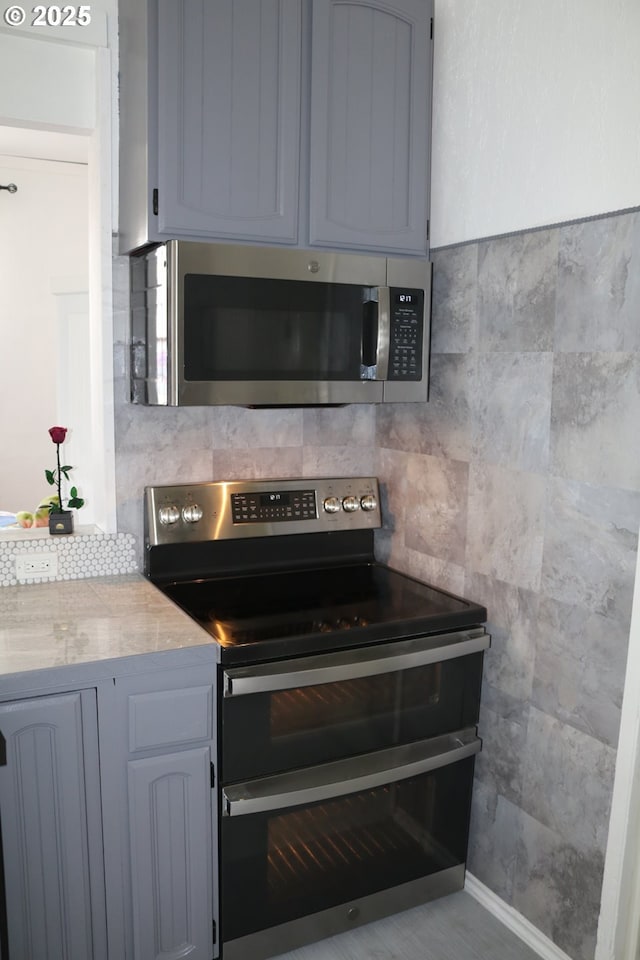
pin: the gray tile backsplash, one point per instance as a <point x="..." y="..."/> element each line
<point x="518" y="485"/>
<point x="529" y="455"/>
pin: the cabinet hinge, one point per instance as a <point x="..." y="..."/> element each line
<point x="215" y="932"/>
<point x="155" y="201"/>
<point x="213" y="775"/>
<point x="3" y="759"/>
<point x="431" y="30"/>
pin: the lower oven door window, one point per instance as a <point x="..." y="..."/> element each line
<point x="313" y="710"/>
<point x="378" y="822"/>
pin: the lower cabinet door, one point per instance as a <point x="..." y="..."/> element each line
<point x="51" y="838"/>
<point x="170" y="825"/>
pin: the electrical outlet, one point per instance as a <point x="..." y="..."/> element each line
<point x="32" y="565"/>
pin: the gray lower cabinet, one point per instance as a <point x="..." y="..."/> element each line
<point x="108" y="817"/>
<point x="300" y="122"/>
<point x="170" y="826"/>
<point x="164" y="726"/>
<point x="51" y="828"/>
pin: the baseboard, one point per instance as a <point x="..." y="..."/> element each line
<point x="514" y="921"/>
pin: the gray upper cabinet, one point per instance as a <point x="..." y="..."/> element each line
<point x="229" y="118"/>
<point x="370" y="117"/>
<point x="299" y="122"/>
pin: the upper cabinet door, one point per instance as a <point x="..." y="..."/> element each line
<point x="370" y="117"/>
<point x="228" y="114"/>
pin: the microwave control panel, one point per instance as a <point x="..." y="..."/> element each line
<point x="406" y="334"/>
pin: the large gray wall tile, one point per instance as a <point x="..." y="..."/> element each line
<point x="595" y="417"/>
<point x="435" y="507"/>
<point x="590" y="547"/>
<point x="434" y="570"/>
<point x="495" y="826"/>
<point x="599" y="285"/>
<point x="557" y="888"/>
<point x="512" y="411"/>
<point x="353" y="424"/>
<point x="505" y="524"/>
<point x="580" y="660"/>
<point x="338" y="461"/>
<point x="509" y="663"/>
<point x="503" y="726"/>
<point x="455" y="292"/>
<point x="241" y="428"/>
<point x="567" y="781"/>
<point x="517" y="292"/>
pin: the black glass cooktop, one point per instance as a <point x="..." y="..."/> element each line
<point x="270" y="615"/>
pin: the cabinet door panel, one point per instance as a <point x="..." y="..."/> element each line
<point x="170" y="815"/>
<point x="370" y="116"/>
<point x="229" y="118"/>
<point x="44" y="828"/>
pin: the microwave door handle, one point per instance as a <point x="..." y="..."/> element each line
<point x="369" y="352"/>
<point x="384" y="333"/>
<point x="350" y="775"/>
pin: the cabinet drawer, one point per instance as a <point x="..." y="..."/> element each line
<point x="169" y="717"/>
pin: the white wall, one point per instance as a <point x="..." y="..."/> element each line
<point x="536" y="114"/>
<point x="68" y="83"/>
<point x="43" y="248"/>
<point x="45" y="83"/>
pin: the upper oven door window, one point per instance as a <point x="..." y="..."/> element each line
<point x="317" y="709"/>
<point x="257" y="329"/>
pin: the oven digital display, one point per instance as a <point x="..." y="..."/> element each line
<point x="274" y="506"/>
<point x="275" y="499"/>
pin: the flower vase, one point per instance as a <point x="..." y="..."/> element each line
<point x="61" y="522"/>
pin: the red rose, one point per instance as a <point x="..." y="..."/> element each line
<point x="57" y="434"/>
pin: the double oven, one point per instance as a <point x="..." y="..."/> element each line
<point x="348" y="698"/>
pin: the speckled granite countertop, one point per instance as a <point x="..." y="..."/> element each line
<point x="91" y="622"/>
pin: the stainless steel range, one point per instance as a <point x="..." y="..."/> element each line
<point x="347" y="705"/>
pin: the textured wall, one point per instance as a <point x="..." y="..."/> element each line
<point x="534" y="113"/>
<point x="157" y="445"/>
<point x="519" y="485"/>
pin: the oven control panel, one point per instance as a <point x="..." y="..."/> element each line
<point x="273" y="506"/>
<point x="257" y="508"/>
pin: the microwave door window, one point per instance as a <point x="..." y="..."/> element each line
<point x="257" y="329"/>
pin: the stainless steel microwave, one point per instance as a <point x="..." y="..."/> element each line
<point x="258" y="326"/>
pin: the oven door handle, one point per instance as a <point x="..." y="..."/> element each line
<point x="350" y="775"/>
<point x="358" y="662"/>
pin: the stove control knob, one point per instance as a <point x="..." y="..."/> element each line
<point x="350" y="504"/>
<point x="368" y="502"/>
<point x="331" y="505"/>
<point x="168" y="515"/>
<point x="192" y="513"/>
